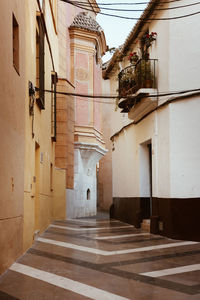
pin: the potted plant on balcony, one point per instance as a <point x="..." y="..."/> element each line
<point x="127" y="81"/>
<point x="144" y="74"/>
<point x="133" y="57"/>
<point x="149" y="38"/>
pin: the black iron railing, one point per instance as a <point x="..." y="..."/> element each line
<point x="135" y="77"/>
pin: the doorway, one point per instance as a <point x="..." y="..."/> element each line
<point x="145" y="158"/>
<point x="150" y="175"/>
<point x="36" y="184"/>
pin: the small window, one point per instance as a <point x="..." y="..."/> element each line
<point x="15" y="44"/>
<point x="88" y="194"/>
<point x="96" y="55"/>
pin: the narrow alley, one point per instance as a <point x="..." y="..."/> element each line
<point x="99" y="258"/>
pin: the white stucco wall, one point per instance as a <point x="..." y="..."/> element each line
<point x="86" y="156"/>
<point x="185" y="148"/>
<point x="125" y="167"/>
<point x="161" y="179"/>
<point x="184" y="49"/>
<point x="127" y="162"/>
<point x="173" y="129"/>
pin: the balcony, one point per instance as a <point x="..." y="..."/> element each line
<point x="136" y="82"/>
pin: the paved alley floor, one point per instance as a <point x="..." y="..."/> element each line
<point x="97" y="258"/>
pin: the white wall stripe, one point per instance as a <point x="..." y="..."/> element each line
<point x="173" y="271"/>
<point x="89" y="229"/>
<point x="73" y="246"/>
<point x="66" y="283"/>
<point x="117" y="252"/>
<point x="119" y="236"/>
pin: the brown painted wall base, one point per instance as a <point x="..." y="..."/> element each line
<point x="174" y="218"/>
<point x="131" y="210"/>
<point x="178" y="218"/>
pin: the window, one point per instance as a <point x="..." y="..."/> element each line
<point x="96" y="55"/>
<point x="15" y="44"/>
<point x="53" y="105"/>
<point x="40" y="83"/>
<point x="88" y="194"/>
<point x="51" y="177"/>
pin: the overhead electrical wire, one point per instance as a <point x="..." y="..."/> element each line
<point x="126" y="3"/>
<point x="154" y="95"/>
<point x="136" y="10"/>
<point x="78" y="3"/>
<point x="135" y="18"/>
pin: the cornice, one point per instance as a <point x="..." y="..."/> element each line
<point x="95" y="37"/>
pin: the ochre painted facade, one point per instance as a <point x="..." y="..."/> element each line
<point x="40" y="174"/>
<point x="32" y="186"/>
<point x="12" y="89"/>
<point x="65" y="131"/>
<point x="38" y="160"/>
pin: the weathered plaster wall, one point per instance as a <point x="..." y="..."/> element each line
<point x="126" y="158"/>
<point x="82" y="201"/>
<point x="12" y="89"/>
<point x="39" y="147"/>
<point x="105" y="164"/>
<point x="89" y="145"/>
<point x="97" y="91"/>
<point x="59" y="193"/>
<point x="64" y="150"/>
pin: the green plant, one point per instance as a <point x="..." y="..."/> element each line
<point x="146" y="42"/>
<point x="127" y="79"/>
<point x="144" y="73"/>
<point x="148" y="38"/>
<point x="133" y="57"/>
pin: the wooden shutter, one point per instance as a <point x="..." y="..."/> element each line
<point x="41" y="99"/>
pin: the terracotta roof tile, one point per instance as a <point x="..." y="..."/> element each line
<point x="84" y="21"/>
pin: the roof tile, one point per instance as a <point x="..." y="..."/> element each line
<point x="84" y="21"/>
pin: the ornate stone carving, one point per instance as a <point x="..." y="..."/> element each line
<point x="81" y="74"/>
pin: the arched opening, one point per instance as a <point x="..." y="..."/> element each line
<point x="88" y="194"/>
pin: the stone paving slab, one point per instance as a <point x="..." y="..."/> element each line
<point x="104" y="259"/>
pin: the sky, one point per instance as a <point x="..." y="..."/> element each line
<point x="116" y="30"/>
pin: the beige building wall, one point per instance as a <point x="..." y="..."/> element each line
<point x="12" y="88"/>
<point x="59" y="208"/>
<point x="105" y="164"/>
<point x="40" y="175"/>
<point x="65" y="131"/>
<point x="65" y="103"/>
